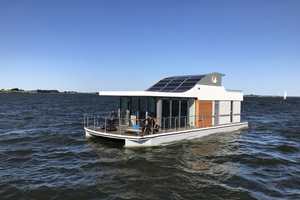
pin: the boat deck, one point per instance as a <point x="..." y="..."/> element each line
<point x="135" y="138"/>
<point x="127" y="131"/>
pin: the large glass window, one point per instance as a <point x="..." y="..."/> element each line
<point x="175" y="113"/>
<point x="152" y="107"/>
<point x="133" y="110"/>
<point x="183" y="113"/>
<point x="165" y="113"/>
<point x="142" y="108"/>
<point x="134" y="106"/>
<point x="123" y="110"/>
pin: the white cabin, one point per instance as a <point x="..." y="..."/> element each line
<point x="183" y="96"/>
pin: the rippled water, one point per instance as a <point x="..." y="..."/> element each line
<point x="44" y="155"/>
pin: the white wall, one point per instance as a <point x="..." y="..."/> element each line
<point x="224" y="109"/>
<point x="236" y="118"/>
<point x="236" y="111"/>
<point x="236" y="107"/>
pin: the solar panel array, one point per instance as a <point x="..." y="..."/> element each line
<point x="176" y="83"/>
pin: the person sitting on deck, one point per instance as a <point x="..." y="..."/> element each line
<point x="148" y="125"/>
<point x="112" y="118"/>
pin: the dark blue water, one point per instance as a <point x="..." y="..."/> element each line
<point x="45" y="155"/>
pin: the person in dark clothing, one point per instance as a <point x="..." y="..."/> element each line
<point x="112" y="118"/>
<point x="148" y="125"/>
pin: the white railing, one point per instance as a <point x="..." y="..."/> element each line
<point x="99" y="122"/>
<point x="230" y="90"/>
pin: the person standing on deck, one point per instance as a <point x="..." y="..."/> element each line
<point x="148" y="124"/>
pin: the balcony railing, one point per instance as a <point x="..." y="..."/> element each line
<point x="99" y="122"/>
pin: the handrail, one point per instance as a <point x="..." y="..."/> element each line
<point x="230" y="90"/>
<point x="98" y="121"/>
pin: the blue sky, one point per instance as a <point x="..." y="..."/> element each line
<point x="96" y="45"/>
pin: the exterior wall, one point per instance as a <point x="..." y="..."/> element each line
<point x="202" y="92"/>
<point x="206" y="92"/>
<point x="159" y="111"/>
<point x="191" y="112"/>
<point x="207" y="80"/>
<point x="225" y="111"/>
<point x="236" y="111"/>
<point x="216" y="115"/>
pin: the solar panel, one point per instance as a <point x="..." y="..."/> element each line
<point x="176" y="83"/>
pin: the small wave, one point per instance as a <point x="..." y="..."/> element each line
<point x="20" y="132"/>
<point x="286" y="148"/>
<point x="260" y="159"/>
<point x="26" y="131"/>
<point x="77" y="123"/>
<point x="28" y="118"/>
<point x="15" y="160"/>
<point x="21" y="152"/>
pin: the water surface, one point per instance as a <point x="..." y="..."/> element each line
<point x="45" y="155"/>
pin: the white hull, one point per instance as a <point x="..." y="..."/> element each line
<point x="158" y="139"/>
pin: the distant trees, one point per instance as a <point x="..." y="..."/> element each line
<point x="70" y="92"/>
<point x="47" y="91"/>
<point x="13" y="90"/>
<point x="17" y="90"/>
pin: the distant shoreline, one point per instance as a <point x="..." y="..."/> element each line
<point x="253" y="95"/>
<point x="39" y="91"/>
<point x="270" y="96"/>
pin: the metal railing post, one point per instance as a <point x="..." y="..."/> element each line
<point x="94" y="122"/>
<point x="97" y="120"/>
<point x="202" y="122"/>
<point x="87" y="123"/>
<point x="120" y="128"/>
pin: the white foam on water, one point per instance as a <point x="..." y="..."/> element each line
<point x="25" y="131"/>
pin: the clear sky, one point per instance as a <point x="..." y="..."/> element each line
<point x="96" y="45"/>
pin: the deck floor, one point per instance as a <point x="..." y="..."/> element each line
<point x="124" y="130"/>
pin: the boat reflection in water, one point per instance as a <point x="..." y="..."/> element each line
<point x="210" y="157"/>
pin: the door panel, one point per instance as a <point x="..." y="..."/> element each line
<point x="205" y="110"/>
<point x="216" y="113"/>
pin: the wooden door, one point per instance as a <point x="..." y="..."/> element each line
<point x="203" y="108"/>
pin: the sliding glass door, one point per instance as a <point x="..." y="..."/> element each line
<point x="166" y="113"/>
<point x="123" y="110"/>
<point x="175" y="113"/>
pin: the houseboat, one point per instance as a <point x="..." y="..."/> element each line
<point x="174" y="108"/>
